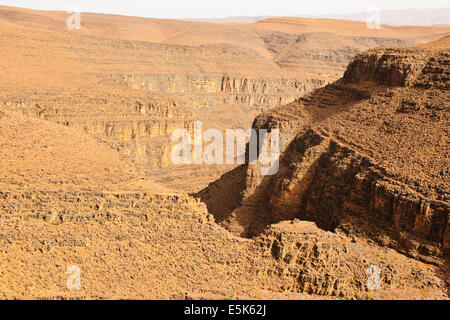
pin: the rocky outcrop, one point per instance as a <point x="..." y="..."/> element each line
<point x="314" y="261"/>
<point x="410" y="67"/>
<point x="210" y="91"/>
<point x="337" y="168"/>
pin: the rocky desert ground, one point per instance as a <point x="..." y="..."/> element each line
<point x="88" y="188"/>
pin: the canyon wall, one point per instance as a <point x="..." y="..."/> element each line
<point x="167" y="246"/>
<point x="141" y="130"/>
<point x="335" y="186"/>
<point x="337" y="168"/>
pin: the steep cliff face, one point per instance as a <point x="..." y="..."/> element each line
<point x="330" y="183"/>
<point x="68" y="198"/>
<point x="322" y="52"/>
<point x="407" y="67"/>
<point x="365" y="155"/>
<point x="311" y="260"/>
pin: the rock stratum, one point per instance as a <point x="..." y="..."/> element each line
<point x="366" y="156"/>
<point x="86" y="180"/>
<point x="224" y="75"/>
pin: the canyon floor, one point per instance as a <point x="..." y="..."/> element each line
<point x="86" y="177"/>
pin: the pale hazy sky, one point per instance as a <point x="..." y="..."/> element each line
<point x="223" y="8"/>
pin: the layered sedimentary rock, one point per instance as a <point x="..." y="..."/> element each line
<point x="360" y="157"/>
<point x="322" y="52"/>
<point x="213" y="91"/>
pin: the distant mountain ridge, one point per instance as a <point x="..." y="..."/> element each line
<point x="413" y="17"/>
